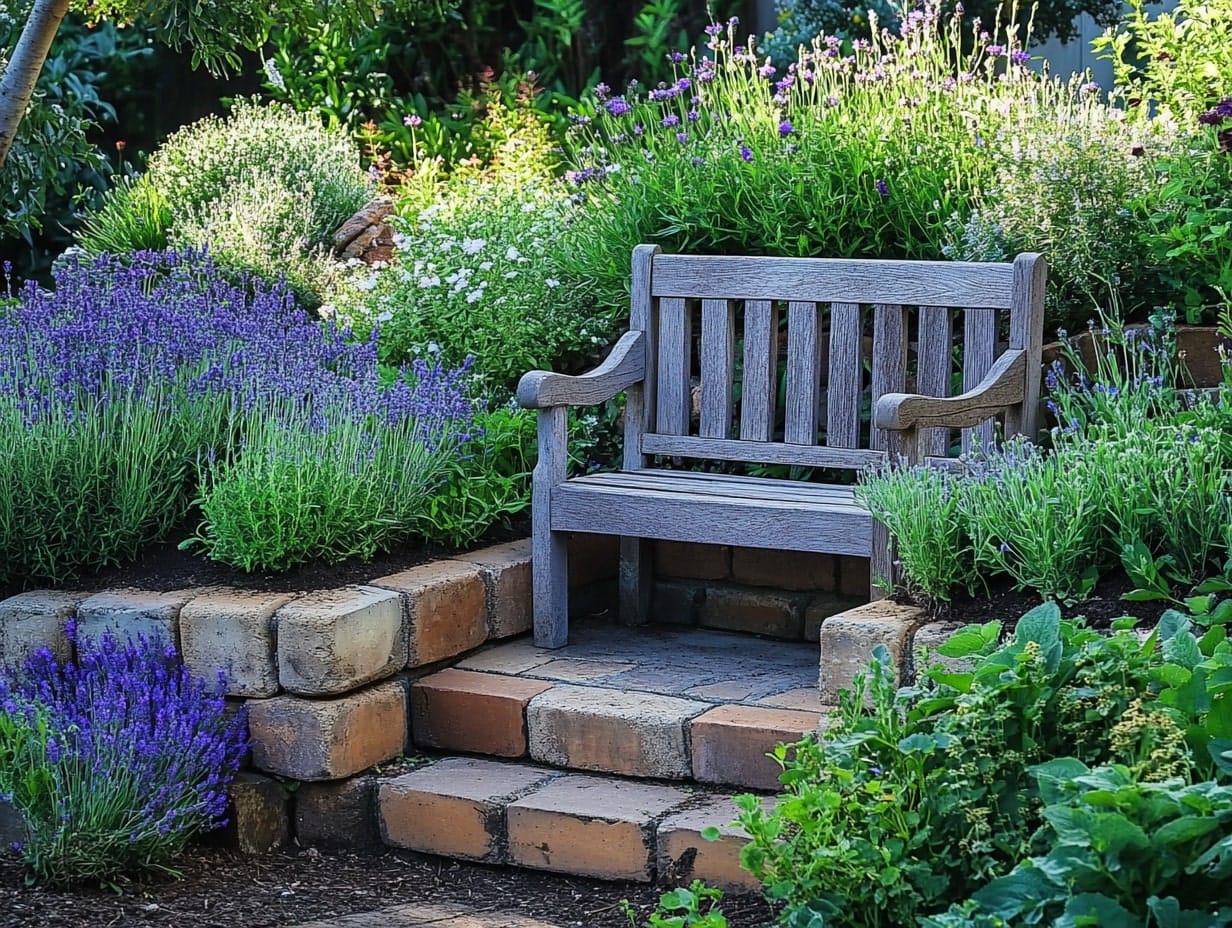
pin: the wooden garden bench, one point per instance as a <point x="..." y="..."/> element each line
<point x="735" y="363"/>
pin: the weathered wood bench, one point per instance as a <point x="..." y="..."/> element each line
<point x="913" y="307"/>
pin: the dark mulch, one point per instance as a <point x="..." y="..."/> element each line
<point x="1006" y="604"/>
<point x="223" y="890"/>
<point x="162" y="567"/>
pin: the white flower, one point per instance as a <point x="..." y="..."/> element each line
<point x="510" y="275"/>
<point x="551" y="283"/>
<point x="472" y="246"/>
<point x="475" y="295"/>
<point x="434" y="348"/>
<point x="385" y="316"/>
<point x="485" y="266"/>
<point x="367" y="284"/>
<point x="511" y="253"/>
<point x="429" y="282"/>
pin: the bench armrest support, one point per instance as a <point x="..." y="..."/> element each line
<point x="625" y="366"/>
<point x="1003" y="386"/>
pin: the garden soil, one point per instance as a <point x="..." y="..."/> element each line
<point x="220" y="889"/>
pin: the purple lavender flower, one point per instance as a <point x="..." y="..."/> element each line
<point x="682" y="137"/>
<point x="883" y="189"/>
<point x="671" y="120"/>
<point x="1018" y="56"/>
<point x="413" y="121"/>
<point x="786" y="128"/>
<point x="746" y="153"/>
<point x="618" y="106"/>
<point x="1217" y="114"/>
<point x="996" y="50"/>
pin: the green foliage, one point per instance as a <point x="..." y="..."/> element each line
<point x="1189" y="233"/>
<point x="486" y="482"/>
<point x="920" y="508"/>
<point x="264" y="190"/>
<point x="870" y="156"/>
<point x="921" y="797"/>
<point x="1068" y="188"/>
<point x="695" y="907"/>
<point x="1177" y="62"/>
<point x="478" y="270"/>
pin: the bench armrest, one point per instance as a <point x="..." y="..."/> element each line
<point x="625" y="366"/>
<point x="1003" y="386"/>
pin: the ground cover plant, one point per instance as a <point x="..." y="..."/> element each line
<point x="1064" y="776"/>
<point x="116" y="760"/>
<point x="138" y="386"/>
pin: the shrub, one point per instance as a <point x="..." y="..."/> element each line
<point x="116" y="761"/>
<point x="921" y="797"/>
<point x="862" y="155"/>
<point x="342" y="473"/>
<point x="1068" y="187"/>
<point x="478" y="268"/>
<point x="264" y="189"/>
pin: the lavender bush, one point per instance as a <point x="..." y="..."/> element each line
<point x="118" y="383"/>
<point x="115" y="761"/>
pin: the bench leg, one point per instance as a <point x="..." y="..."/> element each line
<point x="881" y="570"/>
<point x="636" y="581"/>
<point x="550" y="580"/>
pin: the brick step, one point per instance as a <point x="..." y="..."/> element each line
<point x="542" y="818"/>
<point x="626" y="732"/>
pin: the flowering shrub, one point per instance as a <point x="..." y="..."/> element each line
<point x="861" y="154"/>
<point x="478" y="267"/>
<point x="116" y="761"/>
<point x="264" y="190"/>
<point x="117" y="383"/>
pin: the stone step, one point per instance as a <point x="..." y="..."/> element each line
<point x="587" y="711"/>
<point x="542" y="818"/>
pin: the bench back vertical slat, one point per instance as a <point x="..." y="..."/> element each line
<point x="935" y="365"/>
<point x="889" y="361"/>
<point x="1027" y="334"/>
<point x="718" y="359"/>
<point x="640" y="398"/>
<point x="760" y="387"/>
<point x="979" y="353"/>
<point x="845" y="376"/>
<point x="674" y="367"/>
<point x="803" y="373"/>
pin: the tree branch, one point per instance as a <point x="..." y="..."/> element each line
<point x="22" y="73"/>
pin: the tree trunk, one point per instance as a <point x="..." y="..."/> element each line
<point x="20" y="76"/>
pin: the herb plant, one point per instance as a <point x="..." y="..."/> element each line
<point x="115" y="761"/>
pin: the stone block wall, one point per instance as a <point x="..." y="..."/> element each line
<point x="325" y="675"/>
<point x="782" y="594"/>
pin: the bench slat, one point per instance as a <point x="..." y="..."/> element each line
<point x="759" y="452"/>
<point x="674" y="366"/>
<point x="803" y="524"/>
<point x="718" y="357"/>
<point x="726" y="485"/>
<point x="846" y="376"/>
<point x="834" y="280"/>
<point x="979" y="353"/>
<point x="889" y="361"/>
<point x="935" y="365"/>
<point x="803" y="373"/>
<point x="760" y="386"/>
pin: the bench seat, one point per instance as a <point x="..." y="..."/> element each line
<point x="714" y="509"/>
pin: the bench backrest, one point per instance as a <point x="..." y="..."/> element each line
<point x="727" y="311"/>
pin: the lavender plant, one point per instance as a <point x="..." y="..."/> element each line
<point x="117" y="383"/>
<point x="920" y="506"/>
<point x="867" y="153"/>
<point x="119" y="759"/>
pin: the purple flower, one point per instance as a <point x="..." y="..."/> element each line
<point x="670" y="120"/>
<point x="786" y="128"/>
<point x="746" y="153"/>
<point x="412" y="120"/>
<point x="618" y="106"/>
<point x="1217" y="114"/>
<point x="996" y="50"/>
<point x="713" y="29"/>
<point x="693" y="115"/>
<point x="676" y="57"/>
<point x="1020" y="57"/>
<point x="882" y="188"/>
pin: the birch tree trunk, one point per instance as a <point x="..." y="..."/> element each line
<point x="22" y="73"/>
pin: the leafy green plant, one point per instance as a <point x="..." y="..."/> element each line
<point x="695" y="907"/>
<point x="133" y="216"/>
<point x="1175" y="61"/>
